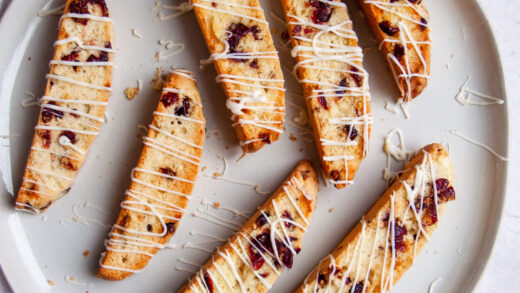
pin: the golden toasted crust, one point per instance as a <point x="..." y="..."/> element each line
<point x="51" y="166"/>
<point x="334" y="82"/>
<point x="367" y="253"/>
<point x="172" y="150"/>
<point x="414" y="36"/>
<point x="231" y="266"/>
<point x="251" y="56"/>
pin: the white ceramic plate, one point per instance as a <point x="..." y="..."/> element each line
<point x="34" y="249"/>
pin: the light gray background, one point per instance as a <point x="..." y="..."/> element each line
<point x="503" y="269"/>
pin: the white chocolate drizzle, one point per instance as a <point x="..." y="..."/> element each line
<point x="464" y="96"/>
<point x="376" y="234"/>
<point x="136" y="241"/>
<point x="244" y="238"/>
<point x="253" y="98"/>
<point x="400" y="72"/>
<point x="318" y="54"/>
<point x="481" y="145"/>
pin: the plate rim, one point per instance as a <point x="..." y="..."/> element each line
<point x="13" y="9"/>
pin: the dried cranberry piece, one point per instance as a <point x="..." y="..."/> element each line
<point x="71" y="57"/>
<point x="400" y="231"/>
<point x="208" y="282"/>
<point x="169" y="98"/>
<point x="323" y="102"/>
<point x="183" y="110"/>
<point x="322" y="11"/>
<point x="70" y="135"/>
<point x="254" y="64"/>
<point x="343" y="84"/>
<point x="262" y="220"/>
<point x="48" y="114"/>
<point x="285" y="254"/>
<point x="359" y="287"/>
<point x="322" y="280"/>
<point x="350" y="131"/>
<point x="102" y="57"/>
<point x="170" y="227"/>
<point x="444" y="191"/>
<point x="392" y="1"/>
<point x="348" y="281"/>
<point x="81" y="7"/>
<point x="46" y="138"/>
<point x="424" y="23"/>
<point x="287" y="215"/>
<point x="297" y="29"/>
<point x="168" y="171"/>
<point x="398" y="51"/>
<point x="263" y="241"/>
<point x="356" y="76"/>
<point x="238" y="31"/>
<point x="265" y="138"/>
<point x="387" y="28"/>
<point x="308" y="30"/>
<point x="257" y="261"/>
<point x="108" y="45"/>
<point x="415" y="1"/>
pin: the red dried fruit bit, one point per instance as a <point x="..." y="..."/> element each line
<point x="322" y="11"/>
<point x="261" y="220"/>
<point x="444" y="191"/>
<point x="323" y="102"/>
<point x="398" y="51"/>
<point x="285" y="254"/>
<point x="254" y="64"/>
<point x="170" y="227"/>
<point x="348" y="280"/>
<point x="184" y="109"/>
<point x="387" y="28"/>
<point x="263" y="241"/>
<point x="257" y="261"/>
<point x="351" y="132"/>
<point x="400" y="231"/>
<point x="334" y="174"/>
<point x="415" y="1"/>
<point x="297" y="29"/>
<point x="287" y="215"/>
<point x="213" y="4"/>
<point x="169" y="99"/>
<point x="149" y="228"/>
<point x="308" y="30"/>
<point x="102" y="57"/>
<point x="285" y="35"/>
<point x="264" y="275"/>
<point x="356" y="76"/>
<point x="70" y="135"/>
<point x="208" y="282"/>
<point x="359" y="287"/>
<point x="48" y="114"/>
<point x="386" y="217"/>
<point x="392" y="1"/>
<point x="46" y="138"/>
<point x="81" y="7"/>
<point x="265" y="138"/>
<point x="168" y="171"/>
<point x="71" y="57"/>
<point x="322" y="280"/>
<point x="424" y="24"/>
<point x="238" y="31"/>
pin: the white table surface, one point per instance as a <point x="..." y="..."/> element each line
<point x="504" y="267"/>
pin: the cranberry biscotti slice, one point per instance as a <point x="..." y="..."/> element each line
<point x="162" y="181"/>
<point x="335" y="84"/>
<point x="242" y="50"/>
<point x="401" y="27"/>
<point x="254" y="257"/>
<point x="379" y="250"/>
<point x="73" y="107"/>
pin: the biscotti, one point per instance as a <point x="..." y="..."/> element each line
<point x="73" y="107"/>
<point x="378" y="251"/>
<point x="161" y="183"/>
<point x="254" y="257"/>
<point x="242" y="50"/>
<point x="401" y="28"/>
<point x="335" y="84"/>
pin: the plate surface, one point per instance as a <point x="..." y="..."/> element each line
<point x="34" y="249"/>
